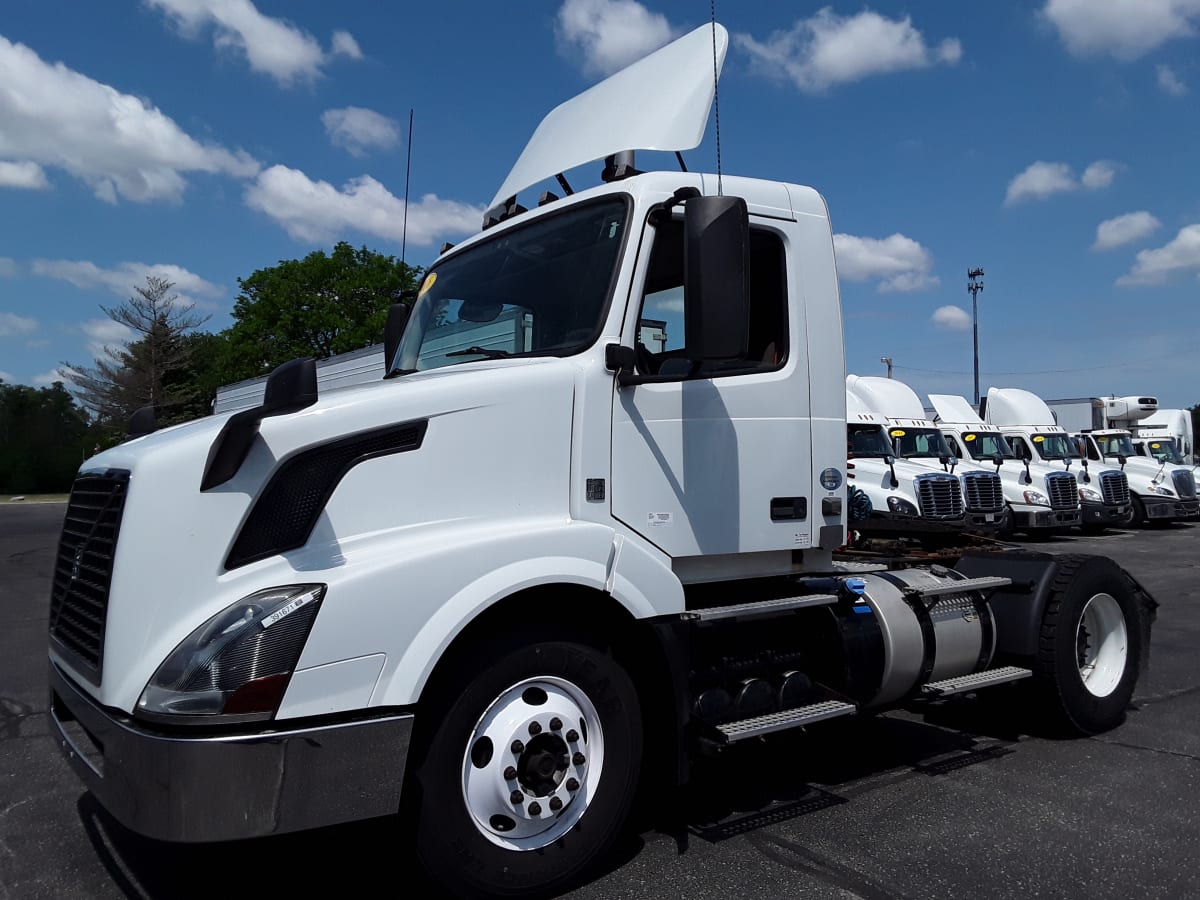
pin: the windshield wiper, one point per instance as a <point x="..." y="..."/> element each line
<point x="480" y="351"/>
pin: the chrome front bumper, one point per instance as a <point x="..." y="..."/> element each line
<point x="176" y="787"/>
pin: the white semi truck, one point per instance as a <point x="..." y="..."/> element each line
<point x="919" y="441"/>
<point x="1174" y="425"/>
<point x="495" y="592"/>
<point x="1028" y="424"/>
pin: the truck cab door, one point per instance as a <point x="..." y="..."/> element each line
<point x="714" y="458"/>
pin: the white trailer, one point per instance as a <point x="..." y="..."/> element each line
<point x="496" y="594"/>
<point x="1171" y="424"/>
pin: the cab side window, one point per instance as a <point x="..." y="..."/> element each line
<point x="1020" y="447"/>
<point x="955" y="450"/>
<point x="660" y="345"/>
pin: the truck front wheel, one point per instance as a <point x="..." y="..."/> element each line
<point x="530" y="774"/>
<point x="1090" y="648"/>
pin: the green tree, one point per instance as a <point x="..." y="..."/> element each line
<point x="316" y="306"/>
<point x="44" y="436"/>
<point x="143" y="371"/>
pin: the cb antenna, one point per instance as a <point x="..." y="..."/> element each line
<point x="407" y="172"/>
<point x="716" y="95"/>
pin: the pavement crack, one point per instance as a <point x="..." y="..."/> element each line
<point x="1166" y="695"/>
<point x="1130" y="746"/>
<point x="798" y="858"/>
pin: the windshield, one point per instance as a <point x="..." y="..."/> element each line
<point x="538" y="290"/>
<point x="1114" y="444"/>
<point x="919" y="443"/>
<point x="987" y="445"/>
<point x="1055" y="446"/>
<point x="866" y="441"/>
<point x="1164" y="450"/>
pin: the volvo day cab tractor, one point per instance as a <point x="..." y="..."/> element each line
<point x="1028" y="424"/>
<point x="495" y="592"/>
<point x="894" y="486"/>
<point x="1042" y="500"/>
<point x="919" y="441"/>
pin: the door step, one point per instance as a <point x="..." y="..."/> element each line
<point x="758" y="608"/>
<point x="977" y="680"/>
<point x="986" y="583"/>
<point x="781" y="721"/>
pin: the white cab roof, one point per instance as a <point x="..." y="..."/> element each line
<point x="1013" y="406"/>
<point x="954" y="410"/>
<point x="888" y="397"/>
<point x="857" y="411"/>
<point x="660" y="102"/>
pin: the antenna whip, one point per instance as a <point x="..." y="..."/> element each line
<point x="716" y="95"/>
<point x="407" y="172"/>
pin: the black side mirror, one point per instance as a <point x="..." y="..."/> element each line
<point x="290" y="387"/>
<point x="716" y="288"/>
<point x="393" y="331"/>
<point x="142" y="423"/>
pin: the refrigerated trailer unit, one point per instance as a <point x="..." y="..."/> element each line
<point x="495" y="595"/>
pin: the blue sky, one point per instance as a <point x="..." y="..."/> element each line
<point x="1054" y="143"/>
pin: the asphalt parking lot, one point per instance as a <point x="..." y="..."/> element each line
<point x="960" y="801"/>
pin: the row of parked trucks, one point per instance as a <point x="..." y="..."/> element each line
<point x="500" y="593"/>
<point x="1014" y="469"/>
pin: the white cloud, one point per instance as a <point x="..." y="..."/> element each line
<point x="899" y="263"/>
<point x="6" y="377"/>
<point x="122" y="278"/>
<point x="105" y="336"/>
<point x="609" y="34"/>
<point x="951" y="318"/>
<point x="1182" y="254"/>
<point x="1044" y="179"/>
<point x="1170" y="82"/>
<point x="48" y="378"/>
<point x="828" y="49"/>
<point x="272" y="46"/>
<point x="358" y="130"/>
<point x="116" y="143"/>
<point x="27" y="175"/>
<point x="1125" y="29"/>
<point x="8" y="267"/>
<point x="1124" y="230"/>
<point x="11" y="325"/>
<point x="316" y="211"/>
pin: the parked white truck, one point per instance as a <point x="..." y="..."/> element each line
<point x="1027" y="423"/>
<point x="1173" y="425"/>
<point x="1042" y="500"/>
<point x="919" y="441"/>
<point x="497" y="591"/>
<point x="1159" y="492"/>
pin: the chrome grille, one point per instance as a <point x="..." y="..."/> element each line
<point x="1114" y="488"/>
<point x="940" y="496"/>
<point x="983" y="492"/>
<point x="83" y="569"/>
<point x="1185" y="484"/>
<point x="1062" y="490"/>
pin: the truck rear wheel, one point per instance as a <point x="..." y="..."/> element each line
<point x="1090" y="648"/>
<point x="531" y="773"/>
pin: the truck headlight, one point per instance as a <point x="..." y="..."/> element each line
<point x="239" y="661"/>
<point x="1160" y="490"/>
<point x="901" y="506"/>
<point x="1089" y="494"/>
<point x="1036" y="498"/>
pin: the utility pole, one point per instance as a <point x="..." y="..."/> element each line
<point x="887" y="361"/>
<point x="975" y="285"/>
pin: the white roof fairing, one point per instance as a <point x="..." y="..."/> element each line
<point x="660" y="102"/>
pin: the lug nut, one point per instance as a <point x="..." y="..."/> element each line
<point x="535" y="728"/>
<point x="510" y="773"/>
<point x="517" y="748"/>
<point x="572" y="784"/>
<point x="535" y="808"/>
<point x="516" y="797"/>
<point x="555" y="804"/>
<point x="579" y="759"/>
<point x="555" y="724"/>
<point x="572" y="735"/>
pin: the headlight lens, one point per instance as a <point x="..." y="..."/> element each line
<point x="239" y="661"/>
<point x="1089" y="494"/>
<point x="1160" y="490"/>
<point x="902" y="506"/>
<point x="1036" y="498"/>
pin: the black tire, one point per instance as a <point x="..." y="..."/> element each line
<point x="451" y="846"/>
<point x="1137" y="512"/>
<point x="1068" y="701"/>
<point x="1007" y="530"/>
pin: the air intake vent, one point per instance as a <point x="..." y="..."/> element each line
<point x="1114" y="488"/>
<point x="83" y="569"/>
<point x="1063" y="490"/>
<point x="1185" y="484"/>
<point x="983" y="492"/>
<point x="940" y="496"/>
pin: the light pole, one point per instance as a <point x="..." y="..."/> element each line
<point x="975" y="285"/>
<point x="887" y="361"/>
